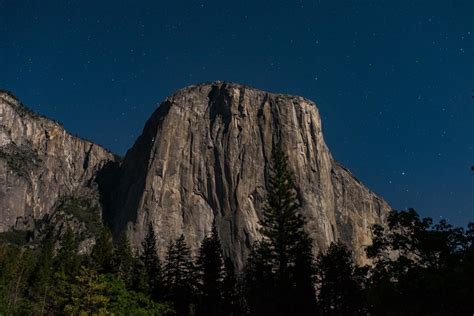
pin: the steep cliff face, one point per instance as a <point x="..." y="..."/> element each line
<point x="41" y="163"/>
<point x="204" y="156"/>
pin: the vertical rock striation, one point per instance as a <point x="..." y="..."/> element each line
<point x="40" y="163"/>
<point x="204" y="156"/>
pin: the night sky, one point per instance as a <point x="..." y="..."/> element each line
<point x="393" y="79"/>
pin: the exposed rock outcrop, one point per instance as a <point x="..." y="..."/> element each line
<point x="204" y="156"/>
<point x="40" y="163"/>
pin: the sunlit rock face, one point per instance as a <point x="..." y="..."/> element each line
<point x="40" y="163"/>
<point x="204" y="156"/>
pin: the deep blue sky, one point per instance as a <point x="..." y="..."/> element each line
<point x="392" y="79"/>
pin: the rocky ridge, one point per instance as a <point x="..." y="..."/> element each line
<point x="204" y="157"/>
<point x="41" y="163"/>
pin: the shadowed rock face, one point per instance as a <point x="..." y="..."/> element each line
<point x="204" y="156"/>
<point x="40" y="163"/>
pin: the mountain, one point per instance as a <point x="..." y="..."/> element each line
<point x="203" y="156"/>
<point x="44" y="170"/>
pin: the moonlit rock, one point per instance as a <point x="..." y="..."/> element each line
<point x="40" y="163"/>
<point x="204" y="156"/>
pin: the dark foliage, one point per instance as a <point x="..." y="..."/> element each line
<point x="417" y="268"/>
<point x="210" y="267"/>
<point x="179" y="276"/>
<point x="280" y="269"/>
<point x="151" y="263"/>
<point x="55" y="279"/>
<point x="421" y="268"/>
<point x="259" y="281"/>
<point x="17" y="237"/>
<point x="230" y="290"/>
<point x="339" y="289"/>
<point x="85" y="210"/>
<point x="102" y="253"/>
<point x="124" y="263"/>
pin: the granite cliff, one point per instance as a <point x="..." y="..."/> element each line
<point x="203" y="156"/>
<point x="43" y="168"/>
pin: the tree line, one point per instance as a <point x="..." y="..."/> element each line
<point x="417" y="268"/>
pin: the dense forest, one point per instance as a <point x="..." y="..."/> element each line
<point x="417" y="268"/>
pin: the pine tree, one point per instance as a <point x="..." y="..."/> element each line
<point x="259" y="281"/>
<point x="102" y="252"/>
<point x="420" y="267"/>
<point x="123" y="261"/>
<point x="339" y="290"/>
<point x="151" y="262"/>
<point x="286" y="245"/>
<point x="41" y="279"/>
<point x="303" y="273"/>
<point x="211" y="275"/>
<point x="229" y="293"/>
<point x="16" y="265"/>
<point x="179" y="276"/>
<point x="67" y="260"/>
<point x="89" y="295"/>
<point x="66" y="267"/>
<point x="140" y="281"/>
